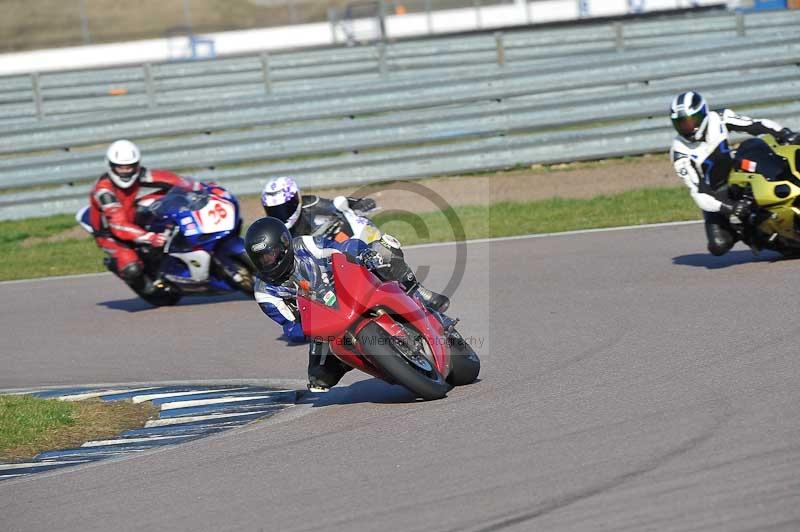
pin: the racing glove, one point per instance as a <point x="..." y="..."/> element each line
<point x="741" y="209"/>
<point x="787" y="136"/>
<point x="156" y="240"/>
<point x="372" y="260"/>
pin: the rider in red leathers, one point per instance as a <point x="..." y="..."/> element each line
<point x="112" y="211"/>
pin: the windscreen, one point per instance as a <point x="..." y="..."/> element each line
<point x="178" y="200"/>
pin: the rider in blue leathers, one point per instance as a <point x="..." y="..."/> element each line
<point x="282" y="262"/>
<point x="277" y="301"/>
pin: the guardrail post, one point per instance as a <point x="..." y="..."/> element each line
<point x="382" y="19"/>
<point x="265" y="71"/>
<point x="501" y="51"/>
<point x="38" y="101"/>
<point x="429" y="15"/>
<point x="87" y="37"/>
<point x="383" y="68"/>
<point x="619" y="36"/>
<point x="741" y="30"/>
<point x="150" y="85"/>
<point x="333" y="18"/>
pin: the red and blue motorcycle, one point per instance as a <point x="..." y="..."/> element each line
<point x="204" y="253"/>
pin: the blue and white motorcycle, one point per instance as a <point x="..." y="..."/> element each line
<point x="204" y="253"/>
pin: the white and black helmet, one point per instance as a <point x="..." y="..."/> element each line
<point x="124" y="163"/>
<point x="689" y="114"/>
<point x="281" y="199"/>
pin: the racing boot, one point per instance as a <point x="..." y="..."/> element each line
<point x="324" y="369"/>
<point x="145" y="285"/>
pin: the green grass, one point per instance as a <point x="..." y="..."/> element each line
<point x="29" y="249"/>
<point x="15" y="231"/>
<point x="29" y="425"/>
<point x="545" y="216"/>
<point x="25" y="419"/>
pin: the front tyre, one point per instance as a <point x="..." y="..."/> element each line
<point x="465" y="362"/>
<point x="240" y="273"/>
<point x="404" y="361"/>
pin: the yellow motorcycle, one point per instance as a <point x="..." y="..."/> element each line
<point x="768" y="175"/>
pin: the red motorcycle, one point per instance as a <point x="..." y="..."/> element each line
<point x="375" y="326"/>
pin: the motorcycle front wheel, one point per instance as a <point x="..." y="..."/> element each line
<point x="404" y="361"/>
<point x="244" y="270"/>
<point x="466" y="364"/>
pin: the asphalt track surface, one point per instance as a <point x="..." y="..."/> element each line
<point x="630" y="382"/>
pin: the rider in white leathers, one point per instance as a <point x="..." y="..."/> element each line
<point x="703" y="158"/>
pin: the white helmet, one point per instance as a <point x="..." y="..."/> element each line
<point x="281" y="199"/>
<point x="123" y="160"/>
<point x="689" y="114"/>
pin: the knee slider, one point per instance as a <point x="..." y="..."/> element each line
<point x="720" y="245"/>
<point x="131" y="271"/>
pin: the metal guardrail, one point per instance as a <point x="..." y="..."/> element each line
<point x="288" y="68"/>
<point x="429" y="121"/>
<point x="589" y="33"/>
<point x="398" y="129"/>
<point x="498" y="83"/>
<point x="479" y="155"/>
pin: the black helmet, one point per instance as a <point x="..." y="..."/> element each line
<point x="689" y="114"/>
<point x="269" y="246"/>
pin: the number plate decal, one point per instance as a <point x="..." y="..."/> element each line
<point x="218" y="215"/>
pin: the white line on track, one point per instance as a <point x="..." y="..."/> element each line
<point x="192" y="419"/>
<point x="215" y="401"/>
<point x="92" y="395"/>
<point x="122" y="441"/>
<point x="550" y="235"/>
<point x="55" y="278"/>
<point x="9" y="467"/>
<point x="152" y="396"/>
<point x="431" y="245"/>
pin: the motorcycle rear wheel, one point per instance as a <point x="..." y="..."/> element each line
<point x="388" y="355"/>
<point x="159" y="298"/>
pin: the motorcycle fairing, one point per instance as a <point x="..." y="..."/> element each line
<point x="778" y="192"/>
<point x="218" y="215"/>
<point x="198" y="264"/>
<point x="359" y="292"/>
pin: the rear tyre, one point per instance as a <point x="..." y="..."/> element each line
<point x="465" y="361"/>
<point x="161" y="299"/>
<point x="404" y="363"/>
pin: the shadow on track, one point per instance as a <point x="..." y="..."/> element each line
<point x="373" y="391"/>
<point x="136" y="304"/>
<point x="732" y="258"/>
